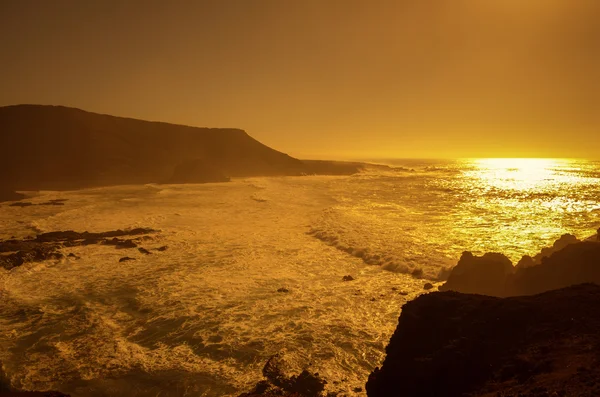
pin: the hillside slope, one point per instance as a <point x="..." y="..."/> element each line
<point x="55" y="147"/>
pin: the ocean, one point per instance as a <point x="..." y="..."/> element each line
<point x="202" y="317"/>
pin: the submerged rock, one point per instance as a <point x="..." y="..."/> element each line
<point x="52" y="202"/>
<point x="452" y="344"/>
<point x="120" y="243"/>
<point x="144" y="251"/>
<point x="47" y="246"/>
<point x="348" y="278"/>
<point x="21" y="204"/>
<point x="283" y="289"/>
<point x="126" y="259"/>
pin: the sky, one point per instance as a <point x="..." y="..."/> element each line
<point x="343" y="79"/>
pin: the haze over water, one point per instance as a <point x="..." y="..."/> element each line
<point x="202" y="317"/>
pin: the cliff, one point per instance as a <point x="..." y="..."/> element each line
<point x="55" y="147"/>
<point x="452" y="344"/>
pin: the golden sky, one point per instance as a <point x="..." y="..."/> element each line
<point x="324" y="78"/>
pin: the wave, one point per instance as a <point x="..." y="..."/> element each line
<point x="386" y="261"/>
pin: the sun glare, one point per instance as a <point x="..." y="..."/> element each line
<point x="517" y="173"/>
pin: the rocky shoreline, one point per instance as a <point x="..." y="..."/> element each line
<point x="493" y="329"/>
<point x="49" y="246"/>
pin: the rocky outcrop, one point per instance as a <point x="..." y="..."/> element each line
<point x="48" y="246"/>
<point x="452" y="344"/>
<point x="574" y="264"/>
<point x="568" y="262"/>
<point x="486" y="275"/>
<point x="277" y="383"/>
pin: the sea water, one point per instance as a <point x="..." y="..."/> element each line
<point x="202" y="317"/>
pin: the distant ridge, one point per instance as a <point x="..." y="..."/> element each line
<point x="57" y="147"/>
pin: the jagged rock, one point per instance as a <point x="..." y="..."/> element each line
<point x="562" y="242"/>
<point x="526" y="261"/>
<point x="574" y="264"/>
<point x="486" y="274"/>
<point x="47" y="246"/>
<point x="348" y="278"/>
<point x="277" y="383"/>
<point x="493" y="274"/>
<point x="34" y="255"/>
<point x="126" y="259"/>
<point x="452" y="344"/>
<point x="70" y="235"/>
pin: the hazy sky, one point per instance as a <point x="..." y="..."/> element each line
<point x="324" y="78"/>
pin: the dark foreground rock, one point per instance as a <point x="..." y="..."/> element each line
<point x="452" y="344"/>
<point x="568" y="262"/>
<point x="48" y="246"/>
<point x="277" y="383"/>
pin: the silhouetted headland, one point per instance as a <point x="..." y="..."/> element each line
<point x="59" y="148"/>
